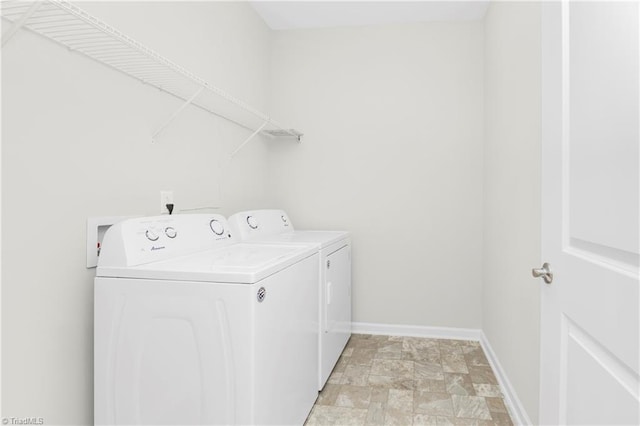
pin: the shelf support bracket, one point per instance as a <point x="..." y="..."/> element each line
<point x="176" y="113"/>
<point x="20" y="22"/>
<point x="258" y="130"/>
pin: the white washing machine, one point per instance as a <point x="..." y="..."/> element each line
<point x="192" y="327"/>
<point x="334" y="289"/>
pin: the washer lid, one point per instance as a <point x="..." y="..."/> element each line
<point x="237" y="263"/>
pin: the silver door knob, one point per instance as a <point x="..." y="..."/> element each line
<point x="543" y="272"/>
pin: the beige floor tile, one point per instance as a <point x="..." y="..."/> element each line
<point x="389" y="350"/>
<point x="472" y="422"/>
<point x="347" y="352"/>
<point x="397" y="418"/>
<point x="430" y="385"/>
<point x="356" y="375"/>
<point x="379" y="395"/>
<point x="449" y="347"/>
<point x="353" y="396"/>
<point x="328" y="395"/>
<point x="453" y="352"/>
<point x="481" y="375"/>
<point x="427" y="370"/>
<point x="389" y="382"/>
<point x="450" y="343"/>
<point x="341" y="364"/>
<point x="392" y="367"/>
<point x="375" y="413"/>
<point x="496" y="405"/>
<point x="453" y="362"/>
<point x="350" y="344"/>
<point x="430" y="355"/>
<point x="469" y="345"/>
<point x="400" y="399"/>
<point x="335" y="378"/>
<point x="501" y="419"/>
<point x="362" y="356"/>
<point x="390" y="347"/>
<point x="377" y="407"/>
<point x="459" y="384"/>
<point x="485" y="389"/>
<point x="399" y="407"/>
<point x="370" y="337"/>
<point x="434" y="403"/>
<point x="475" y="357"/>
<point x="323" y="415"/>
<point x="443" y="421"/>
<point x="446" y="421"/>
<point x="389" y="355"/>
<point x="418" y="344"/>
<point x="363" y="341"/>
<point x="473" y="407"/>
<point x="425" y="419"/>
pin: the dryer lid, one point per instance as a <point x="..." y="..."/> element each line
<point x="320" y="239"/>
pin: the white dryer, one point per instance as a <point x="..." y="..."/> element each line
<point x="334" y="285"/>
<point x="192" y="327"/>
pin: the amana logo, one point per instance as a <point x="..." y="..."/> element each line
<point x="157" y="248"/>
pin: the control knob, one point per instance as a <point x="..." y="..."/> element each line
<point x="152" y="235"/>
<point x="170" y="232"/>
<point x="253" y="222"/>
<point x="216" y="227"/>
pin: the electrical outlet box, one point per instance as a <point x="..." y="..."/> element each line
<point x="96" y="228"/>
<point x="166" y="197"/>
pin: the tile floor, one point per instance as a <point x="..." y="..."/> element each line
<point x="387" y="380"/>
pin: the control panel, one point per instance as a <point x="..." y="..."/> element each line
<point x="260" y="223"/>
<point x="150" y="239"/>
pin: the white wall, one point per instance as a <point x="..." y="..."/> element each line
<point x="392" y="152"/>
<point x="76" y="144"/>
<point x="512" y="168"/>
<point x="394" y="120"/>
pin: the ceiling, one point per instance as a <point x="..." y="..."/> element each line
<point x="287" y="15"/>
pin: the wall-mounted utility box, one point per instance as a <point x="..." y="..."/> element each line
<point x="96" y="227"/>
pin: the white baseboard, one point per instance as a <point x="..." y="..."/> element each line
<point x="416" y="331"/>
<point x="517" y="411"/>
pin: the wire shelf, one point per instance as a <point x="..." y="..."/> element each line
<point x="74" y="28"/>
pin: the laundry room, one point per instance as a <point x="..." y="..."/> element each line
<point x="415" y="126"/>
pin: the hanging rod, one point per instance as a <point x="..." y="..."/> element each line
<point x="67" y="24"/>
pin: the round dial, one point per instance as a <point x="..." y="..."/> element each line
<point x="170" y="232"/>
<point x="253" y="222"/>
<point x="152" y="235"/>
<point x="216" y="227"/>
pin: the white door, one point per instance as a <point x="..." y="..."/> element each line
<point x="590" y="320"/>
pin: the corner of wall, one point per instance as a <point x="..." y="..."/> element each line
<point x="511" y="198"/>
